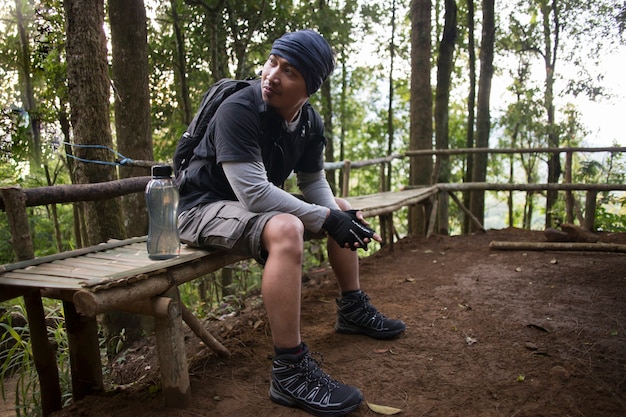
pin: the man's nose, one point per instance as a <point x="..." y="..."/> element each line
<point x="273" y="74"/>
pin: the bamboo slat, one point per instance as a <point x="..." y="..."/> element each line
<point x="40" y="281"/>
<point x="91" y="265"/>
<point x="118" y="258"/>
<point x="113" y="264"/>
<point x="390" y="201"/>
<point x="63" y="255"/>
<point x="59" y="270"/>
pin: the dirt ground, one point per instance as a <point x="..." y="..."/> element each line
<point x="490" y="333"/>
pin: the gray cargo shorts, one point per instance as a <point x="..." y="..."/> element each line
<point x="225" y="225"/>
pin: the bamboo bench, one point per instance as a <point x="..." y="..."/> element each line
<point x="119" y="276"/>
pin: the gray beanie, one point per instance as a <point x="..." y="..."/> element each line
<point x="309" y="53"/>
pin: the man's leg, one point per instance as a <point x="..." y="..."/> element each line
<point x="355" y="313"/>
<point x="297" y="380"/>
<point x="344" y="262"/>
<point x="282" y="277"/>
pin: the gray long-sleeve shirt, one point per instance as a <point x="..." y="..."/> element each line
<point x="249" y="183"/>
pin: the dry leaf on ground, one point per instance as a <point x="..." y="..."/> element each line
<point x="383" y="409"/>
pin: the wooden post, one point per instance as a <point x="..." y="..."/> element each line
<point x="43" y="355"/>
<point x="15" y="207"/>
<point x="82" y="336"/>
<point x="172" y="354"/>
<point x="227" y="280"/>
<point x="443" y="216"/>
<point x="345" y="189"/>
<point x="43" y="352"/>
<point x="386" y="229"/>
<point x="432" y="217"/>
<point x="590" y="210"/>
<point x="569" y="198"/>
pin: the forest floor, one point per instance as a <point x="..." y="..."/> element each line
<point x="489" y="333"/>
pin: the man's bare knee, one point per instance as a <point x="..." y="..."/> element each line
<point x="285" y="231"/>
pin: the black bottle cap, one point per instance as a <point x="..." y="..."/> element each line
<point x="161" y="171"/>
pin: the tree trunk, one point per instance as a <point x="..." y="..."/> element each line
<point x="54" y="212"/>
<point x="483" y="122"/>
<point x="387" y="168"/>
<point x="219" y="60"/>
<point x="180" y="57"/>
<point x="554" y="163"/>
<point x="445" y="65"/>
<point x="421" y="129"/>
<point x="132" y="101"/>
<point x="88" y="87"/>
<point x="471" y="103"/>
<point x="30" y="105"/>
<point x="331" y="175"/>
<point x="129" y="40"/>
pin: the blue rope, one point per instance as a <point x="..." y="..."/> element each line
<point x="122" y="160"/>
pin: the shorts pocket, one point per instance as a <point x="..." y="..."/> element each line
<point x="217" y="225"/>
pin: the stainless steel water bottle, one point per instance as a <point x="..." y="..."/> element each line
<point x="162" y="202"/>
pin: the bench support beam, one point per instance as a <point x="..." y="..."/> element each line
<point x="207" y="338"/>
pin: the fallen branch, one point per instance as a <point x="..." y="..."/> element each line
<point x="558" y="246"/>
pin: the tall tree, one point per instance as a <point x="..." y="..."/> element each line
<point x="88" y="87"/>
<point x="327" y="104"/>
<point x="483" y="119"/>
<point x="471" y="105"/>
<point x="386" y="183"/>
<point x="26" y="79"/>
<point x="129" y="43"/>
<point x="445" y="66"/>
<point x="421" y="126"/>
<point x="551" y="29"/>
<point x="180" y="62"/>
<point x="343" y="48"/>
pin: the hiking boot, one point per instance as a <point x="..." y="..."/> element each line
<point x="298" y="381"/>
<point x="355" y="314"/>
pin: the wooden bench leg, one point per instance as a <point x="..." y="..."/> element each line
<point x="172" y="354"/>
<point x="43" y="355"/>
<point x="82" y="336"/>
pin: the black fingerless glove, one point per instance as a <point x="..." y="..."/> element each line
<point x="345" y="227"/>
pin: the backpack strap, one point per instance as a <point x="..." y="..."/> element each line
<point x="314" y="126"/>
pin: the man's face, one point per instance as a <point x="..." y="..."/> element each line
<point x="283" y="87"/>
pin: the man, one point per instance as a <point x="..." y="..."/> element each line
<point x="232" y="199"/>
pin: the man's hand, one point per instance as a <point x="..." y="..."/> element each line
<point x="349" y="229"/>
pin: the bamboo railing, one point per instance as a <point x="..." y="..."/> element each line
<point x="566" y="185"/>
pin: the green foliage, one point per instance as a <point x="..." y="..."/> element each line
<point x="224" y="291"/>
<point x="611" y="206"/>
<point x="611" y="214"/>
<point x="16" y="357"/>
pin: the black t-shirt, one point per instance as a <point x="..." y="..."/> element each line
<point x="245" y="129"/>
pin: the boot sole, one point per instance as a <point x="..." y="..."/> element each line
<point x="288" y="401"/>
<point x="346" y="329"/>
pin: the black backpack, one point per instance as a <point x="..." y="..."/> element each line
<point x="212" y="99"/>
<point x="215" y="95"/>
